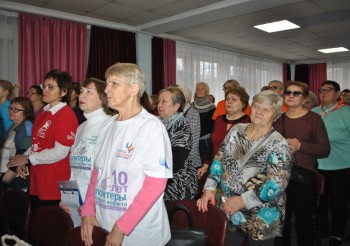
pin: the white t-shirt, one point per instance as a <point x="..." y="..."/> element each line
<point x="126" y="152"/>
<point x="82" y="155"/>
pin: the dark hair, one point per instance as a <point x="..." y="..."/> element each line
<point x="332" y="83"/>
<point x="145" y="102"/>
<point x="241" y="92"/>
<point x="100" y="88"/>
<point x="177" y="96"/>
<point x="37" y="89"/>
<point x="7" y="86"/>
<point x="63" y="80"/>
<point x="27" y="106"/>
<point x="304" y="87"/>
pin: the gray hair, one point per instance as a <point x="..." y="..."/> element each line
<point x="205" y="85"/>
<point x="131" y="72"/>
<point x="271" y="98"/>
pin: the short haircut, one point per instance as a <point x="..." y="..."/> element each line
<point x="37" y="89"/>
<point x="232" y="82"/>
<point x="278" y="82"/>
<point x="205" y="85"/>
<point x="100" y="88"/>
<point x="304" y="87"/>
<point x="63" y="80"/>
<point x="132" y="73"/>
<point x="27" y="106"/>
<point x="187" y="92"/>
<point x="272" y="98"/>
<point x="241" y="92"/>
<point x="177" y="96"/>
<point x="7" y="86"/>
<point x="332" y="83"/>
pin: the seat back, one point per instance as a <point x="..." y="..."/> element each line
<point x="98" y="237"/>
<point x="15" y="213"/>
<point x="214" y="221"/>
<point x="50" y="226"/>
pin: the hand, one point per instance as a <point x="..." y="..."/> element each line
<point x="65" y="208"/>
<point x="17" y="160"/>
<point x="294" y="144"/>
<point x="115" y="238"/>
<point x="202" y="203"/>
<point x="233" y="204"/>
<point x="202" y="170"/>
<point x="87" y="225"/>
<point x="20" y="172"/>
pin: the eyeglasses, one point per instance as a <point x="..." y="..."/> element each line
<point x="326" y="90"/>
<point x="15" y="110"/>
<point x="294" y="93"/>
<point x="273" y="88"/>
<point x="31" y="93"/>
<point x="49" y="87"/>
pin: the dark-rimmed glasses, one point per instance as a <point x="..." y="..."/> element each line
<point x="294" y="93"/>
<point x="15" y="110"/>
<point x="325" y="90"/>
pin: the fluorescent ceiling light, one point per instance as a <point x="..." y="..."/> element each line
<point x="333" y="50"/>
<point x="277" y="26"/>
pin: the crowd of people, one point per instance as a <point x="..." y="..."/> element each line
<point x="132" y="154"/>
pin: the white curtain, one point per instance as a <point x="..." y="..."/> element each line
<point x="339" y="72"/>
<point x="9" y="46"/>
<point x="203" y="64"/>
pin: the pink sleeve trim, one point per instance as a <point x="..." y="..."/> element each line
<point x="89" y="204"/>
<point x="151" y="189"/>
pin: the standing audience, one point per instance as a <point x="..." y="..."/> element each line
<point x="74" y="102"/>
<point x="335" y="167"/>
<point x="53" y="134"/>
<point x="307" y="138"/>
<point x="132" y="164"/>
<point x="183" y="185"/>
<point x="35" y="95"/>
<point x="206" y="110"/>
<point x="252" y="168"/>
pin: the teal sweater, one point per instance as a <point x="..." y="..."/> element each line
<point x="338" y="128"/>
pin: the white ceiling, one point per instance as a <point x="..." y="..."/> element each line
<point x="226" y="24"/>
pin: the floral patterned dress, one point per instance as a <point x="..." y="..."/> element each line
<point x="261" y="182"/>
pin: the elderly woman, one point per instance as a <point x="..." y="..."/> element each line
<point x="192" y="117"/>
<point x="252" y="168"/>
<point x="336" y="166"/>
<point x="236" y="100"/>
<point x="133" y="162"/>
<point x="307" y="138"/>
<point x="93" y="102"/>
<point x="19" y="139"/>
<point x="206" y="110"/>
<point x="170" y="108"/>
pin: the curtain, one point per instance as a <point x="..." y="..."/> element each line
<point x="169" y="61"/>
<point x="302" y="73"/>
<point x="317" y="75"/>
<point x="157" y="65"/>
<point x="107" y="47"/>
<point x="48" y="43"/>
<point x="198" y="63"/>
<point x="9" y="46"/>
<point x="286" y="73"/>
<point x="339" y="72"/>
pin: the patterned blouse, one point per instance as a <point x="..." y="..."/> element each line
<point x="183" y="185"/>
<point x="261" y="182"/>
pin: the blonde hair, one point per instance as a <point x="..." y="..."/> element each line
<point x="271" y="98"/>
<point x="132" y="73"/>
<point x="205" y="85"/>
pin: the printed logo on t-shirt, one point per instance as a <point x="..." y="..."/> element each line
<point x="42" y="130"/>
<point x="111" y="192"/>
<point x="71" y="136"/>
<point x="126" y="152"/>
<point x="163" y="162"/>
